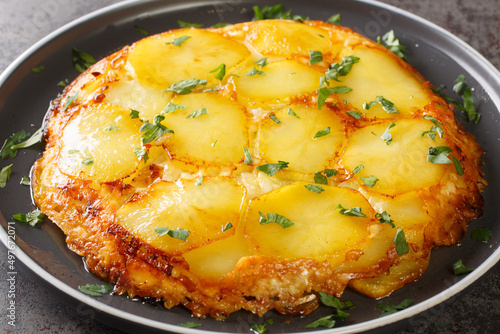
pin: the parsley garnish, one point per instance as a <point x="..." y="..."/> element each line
<point x="179" y="40"/>
<point x="213" y="144"/>
<point x="400" y="242"/>
<point x="140" y="152"/>
<point x="135" y="114"/>
<point x="38" y="69"/>
<point x="189" y="324"/>
<point x="435" y="129"/>
<point x="386" y="136"/>
<point x="258" y="328"/>
<point x="275" y="12"/>
<point x="330" y="172"/>
<point x="95" y="290"/>
<point x="336" y="70"/>
<point x="320" y="178"/>
<point x="221" y="71"/>
<point x="88" y="161"/>
<point x="339" y="306"/>
<point x="33" y="218"/>
<point x="387" y="105"/>
<point x="227" y="227"/>
<point x="112" y="128"/>
<point x="198" y="113"/>
<point x="384" y="217"/>
<point x="185" y="24"/>
<point x="7" y="151"/>
<point x="274" y="218"/>
<point x="327" y="322"/>
<point x="460" y="269"/>
<point x="34" y="139"/>
<point x="357" y="169"/>
<point x="271" y="169"/>
<point x="185" y="86"/>
<point x="481" y="234"/>
<point x="292" y="113"/>
<point x="172" y="107"/>
<point x="369" y="181"/>
<point x="142" y="30"/>
<point x="25" y="181"/>
<point x="441" y="155"/>
<point x="178" y="233"/>
<point x="354" y="211"/>
<point x="262" y="62"/>
<point x="314" y="188"/>
<point x="334" y="19"/>
<point x="5" y="175"/>
<point x="81" y="60"/>
<point x="70" y="100"/>
<point x="315" y="57"/>
<point x="62" y="83"/>
<point x="221" y="25"/>
<point x="154" y="131"/>
<point x="199" y="180"/>
<point x="248" y="156"/>
<point x="255" y="71"/>
<point x="322" y="133"/>
<point x="274" y="118"/>
<point x="461" y="88"/>
<point x="325" y="92"/>
<point x="392" y="43"/>
<point x="355" y="114"/>
<point x="389" y="308"/>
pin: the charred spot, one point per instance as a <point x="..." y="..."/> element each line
<point x="250" y="298"/>
<point x="99" y="97"/>
<point x="96" y="74"/>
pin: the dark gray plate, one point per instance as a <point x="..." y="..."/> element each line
<point x="24" y="98"/>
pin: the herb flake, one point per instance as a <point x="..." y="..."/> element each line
<point x="481" y="234"/>
<point x="460" y="269"/>
<point x="274" y="218"/>
<point x="400" y="242"/>
<point x="81" y="60"/>
<point x="32" y="218"/>
<point x="272" y="168"/>
<point x="178" y="233"/>
<point x="95" y="290"/>
<point x="314" y="188"/>
<point x="389" y="308"/>
<point x="184" y="87"/>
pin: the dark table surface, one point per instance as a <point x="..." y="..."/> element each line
<point x="24" y="22"/>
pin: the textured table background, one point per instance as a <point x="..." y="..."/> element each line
<point x="24" y="22"/>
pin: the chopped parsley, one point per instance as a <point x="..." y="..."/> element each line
<point x="460" y="269"/>
<point x="38" y="69"/>
<point x="134" y="113"/>
<point x="248" y="156"/>
<point x="339" y="306"/>
<point x="327" y="322"/>
<point x="32" y="218"/>
<point x="319" y="178"/>
<point x="88" y="161"/>
<point x="258" y="328"/>
<point x="271" y="168"/>
<point x="198" y="113"/>
<point x="330" y="172"/>
<point x="334" y="19"/>
<point x="254" y="71"/>
<point x="154" y="131"/>
<point x="274" y="218"/>
<point x="357" y="169"/>
<point x="62" y="83"/>
<point x="7" y="151"/>
<point x="171" y="108"/>
<point x="400" y="242"/>
<point x="325" y="92"/>
<point x="213" y="144"/>
<point x="354" y="114"/>
<point x="385" y="218"/>
<point x="387" y="105"/>
<point x="190" y="324"/>
<point x="185" y="24"/>
<point x="353" y="212"/>
<point x="441" y="155"/>
<point x="461" y="88"/>
<point x="25" y="181"/>
<point x="314" y="188"/>
<point x="95" y="290"/>
<point x="292" y="113"/>
<point x="337" y="70"/>
<point x="184" y="87"/>
<point x="322" y="133"/>
<point x="227" y="227"/>
<point x="315" y="57"/>
<point x="392" y="43"/>
<point x="369" y="181"/>
<point x="221" y="71"/>
<point x="70" y="100"/>
<point x="81" y="60"/>
<point x="275" y="12"/>
<point x="389" y="308"/>
<point x="5" y="175"/>
<point x="436" y="129"/>
<point x="262" y="62"/>
<point x="178" y="233"/>
<point x="140" y="152"/>
<point x="199" y="180"/>
<point x="179" y="40"/>
<point x="387" y="136"/>
<point x="274" y="118"/>
<point x="112" y="128"/>
<point x="141" y="30"/>
<point x="481" y="234"/>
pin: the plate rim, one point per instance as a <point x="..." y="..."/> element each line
<point x="413" y="310"/>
